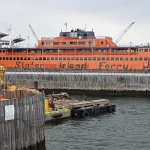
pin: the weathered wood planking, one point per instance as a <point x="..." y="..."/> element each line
<point x="82" y="80"/>
<point x="26" y="129"/>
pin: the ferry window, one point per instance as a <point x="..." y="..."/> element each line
<point x="56" y="58"/>
<point x="48" y="58"/>
<point x="112" y="58"/>
<point x="10" y="58"/>
<point x="47" y="42"/>
<point x="25" y="58"/>
<point x="103" y="58"/>
<point x="42" y="43"/>
<point x="131" y="58"/>
<point x="72" y="58"/>
<point x="98" y="58"/>
<point x="85" y="58"/>
<point x="44" y="58"/>
<point x="81" y="58"/>
<point x="60" y="58"/>
<point x="145" y="58"/>
<point x="68" y="58"/>
<point x="73" y="43"/>
<point x="77" y="58"/>
<point x="52" y="58"/>
<point x="28" y="58"/>
<point x="121" y="58"/>
<point x="81" y="43"/>
<point x="126" y="58"/>
<point x="107" y="58"/>
<point x="102" y="42"/>
<point x="45" y="51"/>
<point x="145" y="50"/>
<point x="21" y="58"/>
<point x="40" y="58"/>
<point x="64" y="58"/>
<point x="0" y="58"/>
<point x="64" y="43"/>
<point x="141" y="50"/>
<point x="117" y="58"/>
<point x="90" y="42"/>
<point x="36" y="58"/>
<point x="89" y="58"/>
<point x="3" y="51"/>
<point x="7" y="58"/>
<point x="135" y="58"/>
<point x="14" y="58"/>
<point x="94" y="58"/>
<point x="38" y="51"/>
<point x="56" y="43"/>
<point x="141" y="58"/>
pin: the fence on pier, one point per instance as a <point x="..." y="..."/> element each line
<point x="22" y="120"/>
<point x="82" y="80"/>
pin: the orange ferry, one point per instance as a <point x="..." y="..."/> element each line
<point x="77" y="49"/>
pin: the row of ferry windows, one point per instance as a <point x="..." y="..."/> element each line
<point x="46" y="51"/>
<point x="76" y="58"/>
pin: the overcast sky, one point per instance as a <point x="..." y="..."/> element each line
<point x="47" y="17"/>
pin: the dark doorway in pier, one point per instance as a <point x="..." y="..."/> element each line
<point x="36" y="85"/>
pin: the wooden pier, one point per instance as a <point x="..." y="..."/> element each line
<point x="22" y="120"/>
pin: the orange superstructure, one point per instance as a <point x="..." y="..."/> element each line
<point x="77" y="50"/>
<point x="76" y="38"/>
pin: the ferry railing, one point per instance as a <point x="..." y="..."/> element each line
<point x="50" y="53"/>
<point x="70" y="46"/>
<point x="47" y="38"/>
<point x="19" y="53"/>
<point x="133" y="44"/>
<point x="83" y="37"/>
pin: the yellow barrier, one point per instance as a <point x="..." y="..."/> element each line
<point x="49" y="111"/>
<point x="47" y="108"/>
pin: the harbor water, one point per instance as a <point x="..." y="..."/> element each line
<point x="127" y="129"/>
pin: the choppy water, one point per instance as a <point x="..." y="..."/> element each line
<point x="127" y="129"/>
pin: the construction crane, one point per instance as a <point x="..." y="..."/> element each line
<point x="123" y="32"/>
<point x="34" y="34"/>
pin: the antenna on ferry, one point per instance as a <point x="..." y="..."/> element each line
<point x="85" y="27"/>
<point x="66" y="26"/>
<point x="9" y="29"/>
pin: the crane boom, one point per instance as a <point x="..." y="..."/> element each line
<point x="123" y="32"/>
<point x="34" y="34"/>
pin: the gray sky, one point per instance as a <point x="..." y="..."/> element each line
<point x="47" y="17"/>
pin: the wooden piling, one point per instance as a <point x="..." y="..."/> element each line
<point x="22" y="120"/>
